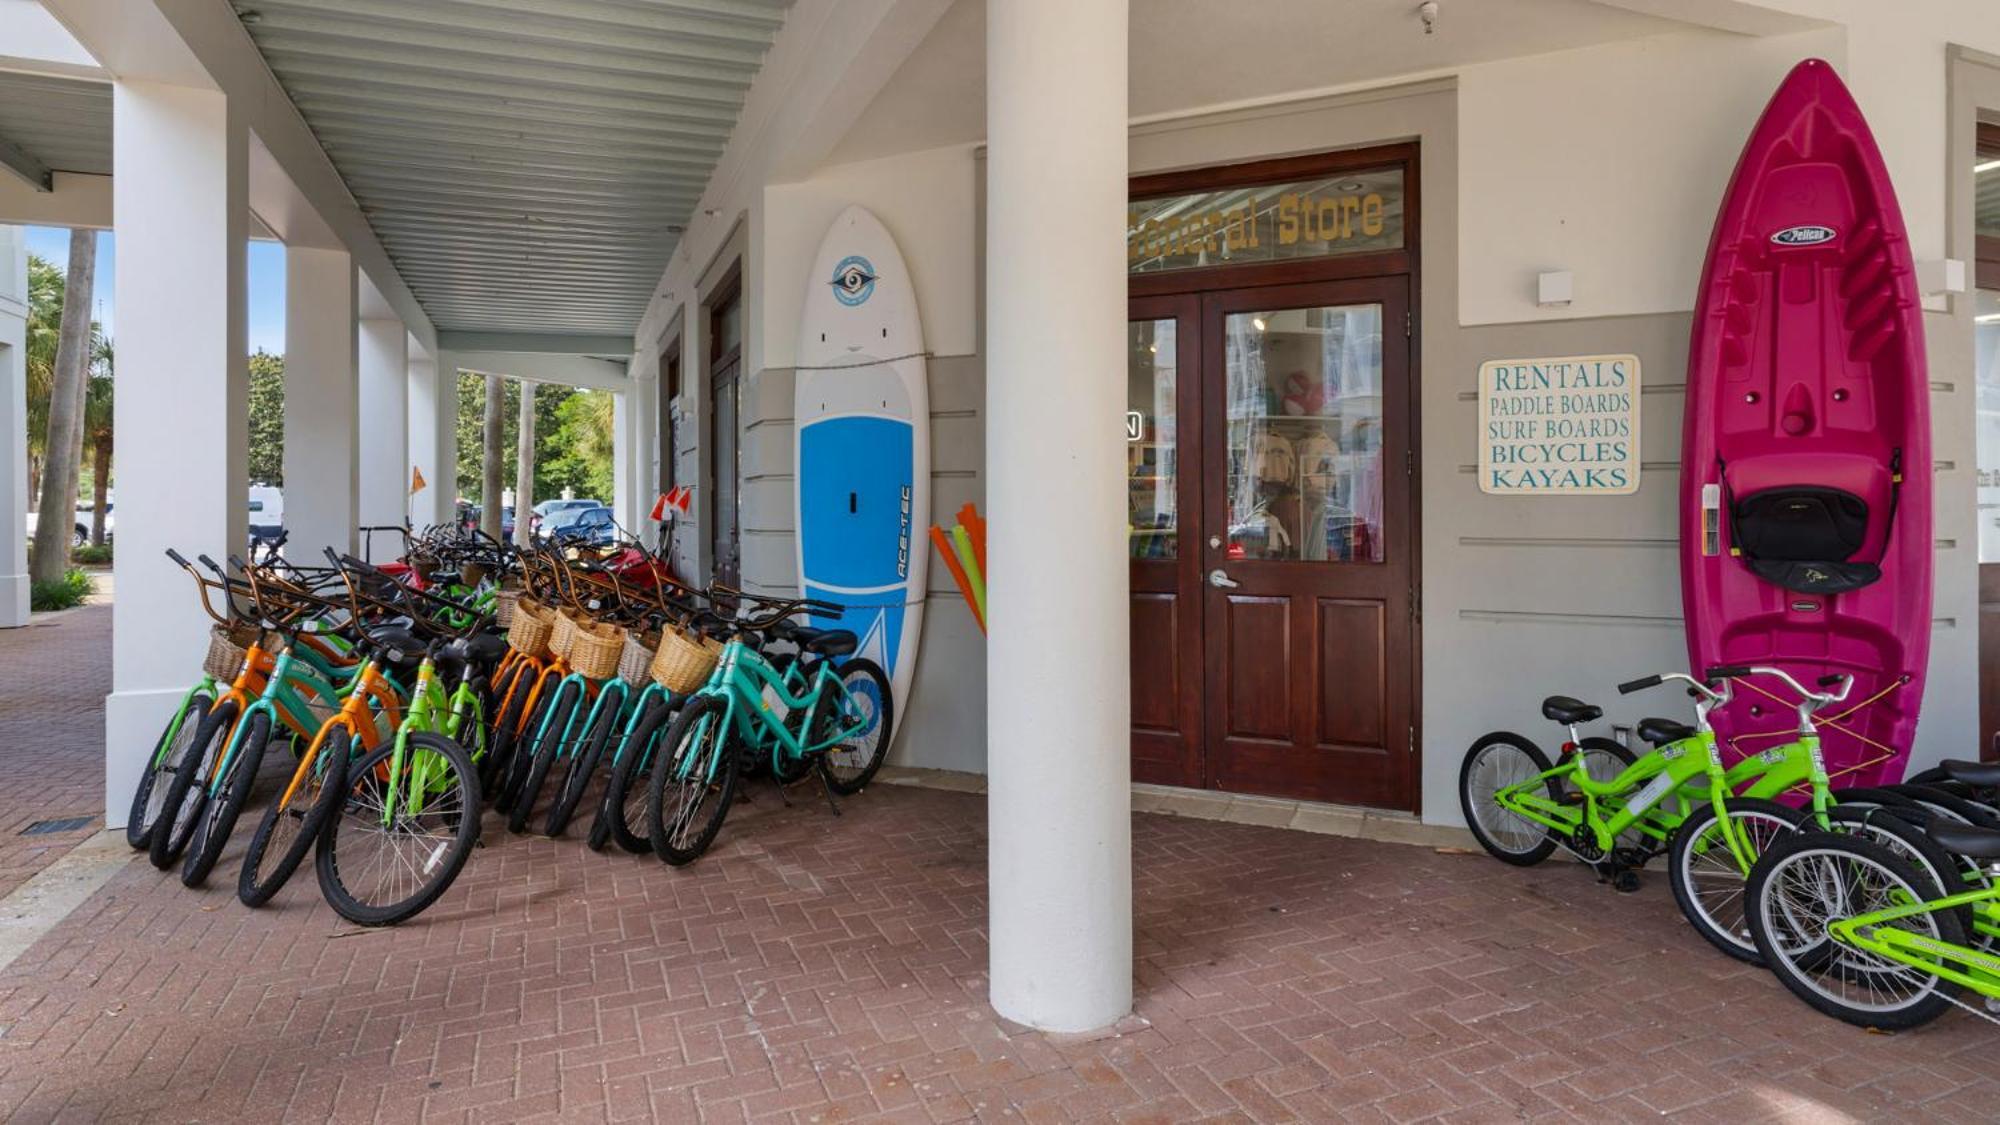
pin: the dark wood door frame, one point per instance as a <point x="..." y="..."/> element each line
<point x="1406" y="263"/>
<point x="725" y="450"/>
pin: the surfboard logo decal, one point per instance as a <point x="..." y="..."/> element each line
<point x="1810" y="234"/>
<point x="853" y="280"/>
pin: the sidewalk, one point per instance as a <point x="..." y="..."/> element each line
<point x="54" y="674"/>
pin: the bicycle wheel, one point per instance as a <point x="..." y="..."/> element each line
<point x="582" y="765"/>
<point x="622" y="814"/>
<point x="1805" y="883"/>
<point x="1707" y="882"/>
<point x="1502" y="760"/>
<point x="556" y="740"/>
<point x="151" y="795"/>
<point x="291" y="826"/>
<point x="521" y="757"/>
<point x="186" y="798"/>
<point x="849" y="766"/>
<point x="212" y="835"/>
<point x="378" y="868"/>
<point x="693" y="782"/>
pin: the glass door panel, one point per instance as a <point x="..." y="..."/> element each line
<point x="1152" y="418"/>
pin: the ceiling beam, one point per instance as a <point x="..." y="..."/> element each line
<point x="536" y="343"/>
<point x="17" y="160"/>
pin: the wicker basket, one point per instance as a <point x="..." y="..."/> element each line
<point x="637" y="656"/>
<point x="503" y="606"/>
<point x="596" y="649"/>
<point x="684" y="660"/>
<point x="471" y="574"/>
<point x="564" y="635"/>
<point x="531" y="627"/>
<point x="228" y="647"/>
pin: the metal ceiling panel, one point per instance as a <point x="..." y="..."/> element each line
<point x="528" y="164"/>
<point x="65" y="123"/>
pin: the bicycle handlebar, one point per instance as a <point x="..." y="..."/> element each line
<point x="1640" y="684"/>
<point x="1816" y="698"/>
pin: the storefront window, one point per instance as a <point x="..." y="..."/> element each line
<point x="1151" y="466"/>
<point x="1305" y="434"/>
<point x="1346" y="213"/>
<point x="1986" y="339"/>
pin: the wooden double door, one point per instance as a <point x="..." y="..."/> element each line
<point x="1271" y="479"/>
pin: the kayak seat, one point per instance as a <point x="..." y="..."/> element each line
<point x="826" y="642"/>
<point x="1802" y="538"/>
<point x="1569" y="712"/>
<point x="1985" y="775"/>
<point x="1659" y="732"/>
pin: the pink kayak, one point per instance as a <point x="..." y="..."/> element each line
<point x="1806" y="451"/>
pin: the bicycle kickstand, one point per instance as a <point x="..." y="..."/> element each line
<point x="828" y="791"/>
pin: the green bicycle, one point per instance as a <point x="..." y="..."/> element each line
<point x="828" y="711"/>
<point x="1861" y="934"/>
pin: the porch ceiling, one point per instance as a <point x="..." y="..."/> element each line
<point x="528" y="164"/>
<point x="50" y="124"/>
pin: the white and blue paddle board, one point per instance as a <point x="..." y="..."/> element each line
<point x="862" y="416"/>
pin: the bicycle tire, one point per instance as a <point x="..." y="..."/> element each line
<point x="671" y="841"/>
<point x="582" y="766"/>
<point x="547" y="748"/>
<point x="1775" y="871"/>
<point x="522" y="755"/>
<point x="845" y="783"/>
<point x="622" y="813"/>
<point x="506" y="732"/>
<point x="1720" y="916"/>
<point x="162" y="764"/>
<point x="1469" y="806"/>
<point x="187" y="799"/>
<point x="456" y="825"/>
<point x="212" y="836"/>
<point x="310" y="807"/>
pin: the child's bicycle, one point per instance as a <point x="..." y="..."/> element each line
<point x="1863" y="935"/>
<point x="1714" y="821"/>
<point x="827" y="711"/>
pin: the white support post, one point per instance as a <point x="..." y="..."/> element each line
<point x="13" y="427"/>
<point x="524" y="468"/>
<point x="384" y="471"/>
<point x="322" y="398"/>
<point x="433" y="438"/>
<point x="182" y="413"/>
<point x="1058" y="734"/>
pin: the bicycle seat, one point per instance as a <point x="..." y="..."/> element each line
<point x="481" y="650"/>
<point x="1985" y="775"/>
<point x="826" y="642"/>
<point x="1965" y="840"/>
<point x="396" y="643"/>
<point x="1659" y="732"/>
<point x="1569" y="712"/>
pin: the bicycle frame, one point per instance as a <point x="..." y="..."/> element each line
<point x="295" y="687"/>
<point x="374" y="695"/>
<point x="742" y="674"/>
<point x="1978" y="970"/>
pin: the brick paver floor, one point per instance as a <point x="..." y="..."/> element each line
<point x="814" y="969"/>
<point x="54" y="674"/>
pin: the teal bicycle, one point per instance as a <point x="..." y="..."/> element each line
<point x="828" y="711"/>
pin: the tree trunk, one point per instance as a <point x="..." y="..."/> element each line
<point x="489" y="467"/>
<point x="64" y="451"/>
<point x="524" y="470"/>
<point x="100" y="486"/>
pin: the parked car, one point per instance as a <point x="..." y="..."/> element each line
<point x="267" y="513"/>
<point x="550" y="514"/>
<point x="80" y="532"/>
<point x="589" y="527"/>
<point x="469" y="519"/>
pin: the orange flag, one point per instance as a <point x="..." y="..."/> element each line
<point x="416" y="480"/>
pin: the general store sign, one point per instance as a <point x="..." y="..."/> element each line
<point x="1567" y="426"/>
<point x="1346" y="213"/>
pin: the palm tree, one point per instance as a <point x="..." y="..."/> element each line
<point x="64" y="448"/>
<point x="97" y="418"/>
<point x="45" y="302"/>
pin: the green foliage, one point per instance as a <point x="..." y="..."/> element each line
<point x="572" y="438"/>
<point x="267" y="419"/>
<point x="69" y="590"/>
<point x="95" y="554"/>
<point x="45" y="301"/>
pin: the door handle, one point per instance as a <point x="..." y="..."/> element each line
<point x="1220" y="578"/>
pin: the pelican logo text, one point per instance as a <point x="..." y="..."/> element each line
<point x="1810" y="235"/>
<point x="853" y="280"/>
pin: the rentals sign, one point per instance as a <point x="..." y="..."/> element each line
<point x="1559" y="427"/>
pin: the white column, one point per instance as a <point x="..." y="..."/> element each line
<point x="1058" y="734"/>
<point x="524" y="468"/>
<point x="322" y="400"/>
<point x="182" y="411"/>
<point x="384" y="471"/>
<point x="13" y="427"/>
<point x="433" y="437"/>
